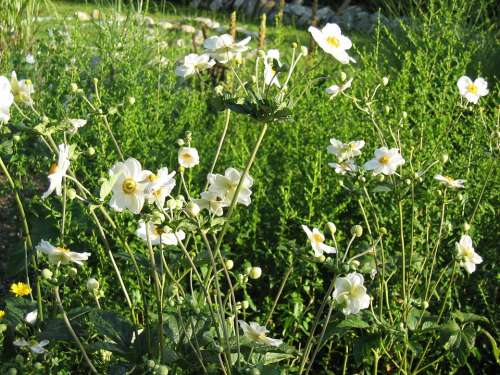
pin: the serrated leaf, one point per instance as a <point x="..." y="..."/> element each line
<point x="468" y="317"/>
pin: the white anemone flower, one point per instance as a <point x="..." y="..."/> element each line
<point x="30" y="59"/>
<point x="386" y="161"/>
<point x="257" y="334"/>
<point x="450" y="181"/>
<point x="35" y="346"/>
<point x="224" y="49"/>
<point x="467" y="255"/>
<point x="128" y="189"/>
<point x="22" y="89"/>
<point x="317" y="239"/>
<point x="472" y="91"/>
<point x="76" y="123"/>
<point x="225" y="186"/>
<point x="158" y="234"/>
<point x="211" y="201"/>
<point x="188" y="157"/>
<point x="271" y="59"/>
<point x="31" y="317"/>
<point x="331" y="40"/>
<point x="347" y="166"/>
<point x="351" y="294"/>
<point x="344" y="151"/>
<point x="6" y="99"/>
<point x="159" y="186"/>
<point x="194" y="63"/>
<point x="58" y="171"/>
<point x="334" y="90"/>
<point x="61" y="254"/>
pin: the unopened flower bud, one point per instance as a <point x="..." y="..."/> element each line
<point x="71" y="194"/>
<point x="255" y="273"/>
<point x="321" y="258"/>
<point x="47" y="274"/>
<point x="295" y="45"/>
<point x="151" y="363"/>
<point x="466" y="227"/>
<point x="385" y="81"/>
<point x="229" y="264"/>
<point x="362" y="179"/>
<point x="12" y="371"/>
<point x="343" y="76"/>
<point x="383" y="230"/>
<point x="180" y="142"/>
<point x="113" y="110"/>
<point x="332" y="227"/>
<point x="171" y="204"/>
<point x="357" y="230"/>
<point x="131" y="100"/>
<point x="96" y="81"/>
<point x="74" y="87"/>
<point x="380" y="177"/>
<point x="355" y="263"/>
<point x="304" y="51"/>
<point x="460" y="197"/>
<point x="91" y="151"/>
<point x="193" y="209"/>
<point x="405" y="115"/>
<point x="92" y="285"/>
<point x="16" y="138"/>
<point x="425" y="305"/>
<point x="408" y="181"/>
<point x="72" y="271"/>
<point x="245" y="304"/>
<point x="387" y="109"/>
<point x="444" y="158"/>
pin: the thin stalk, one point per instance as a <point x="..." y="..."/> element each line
<point x="321" y="336"/>
<point x="219" y="146"/>
<point x="72" y="331"/>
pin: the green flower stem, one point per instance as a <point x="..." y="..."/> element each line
<point x="208" y="298"/>
<point x="27" y="235"/>
<point x="158" y="290"/>
<point x="308" y="347"/>
<point x="219" y="146"/>
<point x="278" y="295"/>
<point x="346" y="357"/>
<point x="321" y="336"/>
<point x="72" y="331"/>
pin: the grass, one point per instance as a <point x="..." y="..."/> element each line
<point x="293" y="183"/>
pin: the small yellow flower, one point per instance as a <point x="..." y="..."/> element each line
<point x="2" y="314"/>
<point x="20" y="289"/>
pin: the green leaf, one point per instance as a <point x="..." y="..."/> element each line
<point x="270" y="357"/>
<point x="114" y="328"/>
<point x="362" y="347"/>
<point x="56" y="329"/>
<point x="382" y="188"/>
<point x="171" y="328"/>
<point x="17" y="308"/>
<point x="468" y="317"/>
<point x="353" y="321"/>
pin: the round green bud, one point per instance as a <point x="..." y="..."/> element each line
<point x="74" y="87"/>
<point x="96" y="81"/>
<point x="163" y="370"/>
<point x="425" y="305"/>
<point x="405" y="114"/>
<point x="151" y="363"/>
<point x="343" y="76"/>
<point x="331" y="227"/>
<point x="460" y="197"/>
<point x="72" y="271"/>
<point x="12" y="371"/>
<point x="444" y="158"/>
<point x="304" y="51"/>
<point x="71" y="194"/>
<point x="47" y="274"/>
<point x="90" y="151"/>
<point x="321" y="258"/>
<point x="357" y="230"/>
<point x="255" y="273"/>
<point x="255" y="371"/>
<point x="92" y="285"/>
<point x="245" y="304"/>
<point x="180" y="142"/>
<point x="192" y="209"/>
<point x="131" y="100"/>
<point x="408" y="181"/>
<point x="295" y="45"/>
<point x="16" y="138"/>
<point x="19" y="358"/>
<point x="383" y="230"/>
<point x="229" y="264"/>
<point x="38" y="366"/>
<point x="380" y="177"/>
<point x="466" y="227"/>
<point x="355" y="263"/>
<point x="387" y="109"/>
<point x="385" y="81"/>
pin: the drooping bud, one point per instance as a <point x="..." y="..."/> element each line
<point x="357" y="230"/>
<point x="255" y="273"/>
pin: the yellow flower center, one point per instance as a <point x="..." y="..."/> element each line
<point x="334" y="42"/>
<point x="448" y="179"/>
<point x="53" y="168"/>
<point x="317" y="237"/>
<point x="255" y="336"/>
<point x="2" y="314"/>
<point x="129" y="186"/>
<point x="472" y="88"/>
<point x="62" y="250"/>
<point x="152" y="177"/>
<point x="187" y="158"/>
<point x="384" y="160"/>
<point x="158" y="231"/>
<point x="357" y="291"/>
<point x="467" y="252"/>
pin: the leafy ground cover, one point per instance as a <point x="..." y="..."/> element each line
<point x="427" y="313"/>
